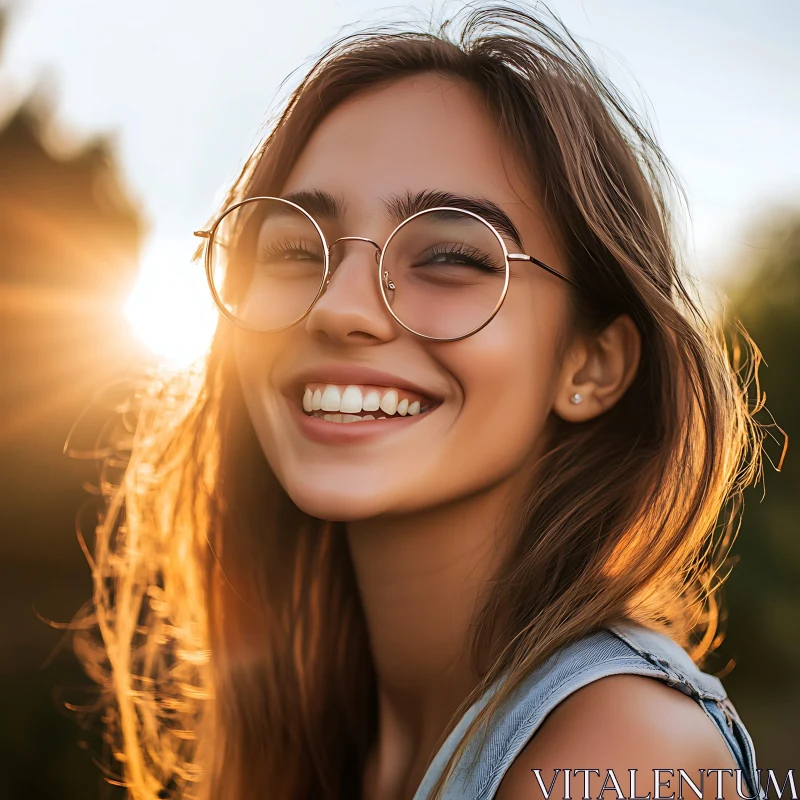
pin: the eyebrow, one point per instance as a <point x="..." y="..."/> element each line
<point x="399" y="207"/>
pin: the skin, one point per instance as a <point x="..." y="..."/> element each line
<point x="427" y="506"/>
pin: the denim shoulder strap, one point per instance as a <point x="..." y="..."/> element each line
<point x="623" y="649"/>
<point x="682" y="673"/>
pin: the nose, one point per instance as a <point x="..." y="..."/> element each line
<point x="351" y="309"/>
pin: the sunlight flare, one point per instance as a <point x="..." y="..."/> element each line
<point x="170" y="309"/>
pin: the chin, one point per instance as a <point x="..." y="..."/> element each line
<point x="336" y="503"/>
<point x="349" y="497"/>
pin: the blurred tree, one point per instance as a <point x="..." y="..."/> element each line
<point x="69" y="238"/>
<point x="763" y="592"/>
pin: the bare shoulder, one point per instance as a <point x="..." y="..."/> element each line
<point x="618" y="723"/>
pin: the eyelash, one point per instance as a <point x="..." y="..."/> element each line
<point x="469" y="254"/>
<point x="282" y="248"/>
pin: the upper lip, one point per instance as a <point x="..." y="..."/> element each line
<point x="349" y="374"/>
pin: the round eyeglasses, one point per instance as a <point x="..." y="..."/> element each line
<point x="443" y="272"/>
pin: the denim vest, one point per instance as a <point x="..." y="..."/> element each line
<point x="622" y="649"/>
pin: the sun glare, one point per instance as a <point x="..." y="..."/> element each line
<point x="170" y="309"/>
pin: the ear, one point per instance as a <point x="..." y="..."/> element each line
<point x="598" y="368"/>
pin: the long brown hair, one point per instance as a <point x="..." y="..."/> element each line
<point x="234" y="650"/>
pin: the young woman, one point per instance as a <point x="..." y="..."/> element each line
<point x="439" y="519"/>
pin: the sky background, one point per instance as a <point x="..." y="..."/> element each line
<point x="184" y="87"/>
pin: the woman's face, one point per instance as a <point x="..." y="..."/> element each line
<point x="489" y="396"/>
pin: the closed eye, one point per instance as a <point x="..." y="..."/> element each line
<point x="460" y="255"/>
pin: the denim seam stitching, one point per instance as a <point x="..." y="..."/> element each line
<point x="748" y="752"/>
<point x="687" y="680"/>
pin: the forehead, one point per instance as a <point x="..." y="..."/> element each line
<point x="418" y="132"/>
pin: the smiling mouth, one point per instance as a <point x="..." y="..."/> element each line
<point x="360" y="403"/>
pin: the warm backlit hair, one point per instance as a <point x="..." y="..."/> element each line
<point x="234" y="652"/>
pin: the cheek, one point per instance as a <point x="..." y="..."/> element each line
<point x="508" y="375"/>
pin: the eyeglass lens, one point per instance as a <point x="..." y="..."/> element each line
<point x="446" y="269"/>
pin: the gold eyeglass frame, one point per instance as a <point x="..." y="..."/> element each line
<point x="384" y="279"/>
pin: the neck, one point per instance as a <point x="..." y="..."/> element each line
<point x="422" y="580"/>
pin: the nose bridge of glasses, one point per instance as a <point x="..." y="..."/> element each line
<point x="334" y="262"/>
<point x="357" y="239"/>
<point x="385" y="279"/>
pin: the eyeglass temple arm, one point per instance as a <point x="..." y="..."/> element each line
<point x="203" y="234"/>
<point x="524" y="257"/>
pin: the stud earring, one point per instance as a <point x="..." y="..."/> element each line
<point x="576" y="398"/>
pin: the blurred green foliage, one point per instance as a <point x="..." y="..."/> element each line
<point x="763" y="592"/>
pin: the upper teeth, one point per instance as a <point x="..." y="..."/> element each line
<point x="353" y="399"/>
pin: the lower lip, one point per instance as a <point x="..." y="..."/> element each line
<point x="320" y="430"/>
